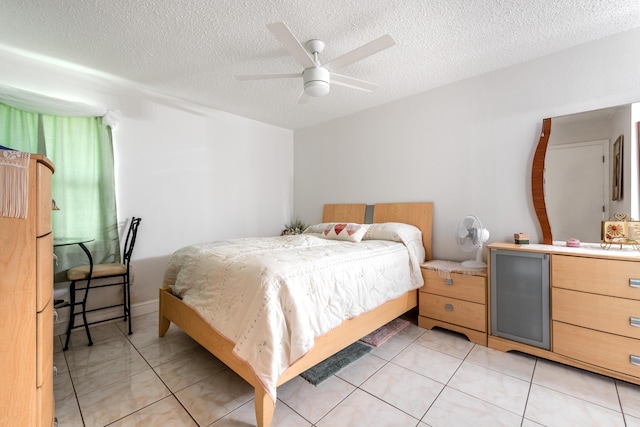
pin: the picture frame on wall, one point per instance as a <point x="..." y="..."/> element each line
<point x="617" y="176"/>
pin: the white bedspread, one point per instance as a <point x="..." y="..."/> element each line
<point x="273" y="296"/>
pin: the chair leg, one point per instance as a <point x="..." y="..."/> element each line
<point x="72" y="315"/>
<point x="84" y="314"/>
<point x="128" y="303"/>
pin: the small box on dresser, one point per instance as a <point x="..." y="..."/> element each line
<point x="454" y="297"/>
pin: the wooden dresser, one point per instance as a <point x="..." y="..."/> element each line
<point x="454" y="298"/>
<point x="26" y="307"/>
<point x="595" y="310"/>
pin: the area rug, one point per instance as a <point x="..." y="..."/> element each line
<point x="323" y="370"/>
<point x="380" y="335"/>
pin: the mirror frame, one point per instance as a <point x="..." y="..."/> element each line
<point x="537" y="182"/>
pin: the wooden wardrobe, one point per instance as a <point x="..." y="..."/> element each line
<point x="26" y="307"/>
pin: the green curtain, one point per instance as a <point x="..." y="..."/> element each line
<point x="81" y="150"/>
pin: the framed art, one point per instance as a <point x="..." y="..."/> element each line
<point x="617" y="176"/>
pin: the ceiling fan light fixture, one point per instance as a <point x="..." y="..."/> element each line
<point x="316" y="81"/>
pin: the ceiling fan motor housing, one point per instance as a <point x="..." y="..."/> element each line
<point x="316" y="81"/>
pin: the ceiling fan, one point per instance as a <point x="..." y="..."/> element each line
<point x="316" y="76"/>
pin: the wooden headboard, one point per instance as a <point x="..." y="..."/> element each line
<point x="419" y="214"/>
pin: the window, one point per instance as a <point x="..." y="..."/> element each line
<point x="83" y="183"/>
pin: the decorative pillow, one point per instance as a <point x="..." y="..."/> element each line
<point x="350" y="232"/>
<point x="318" y="228"/>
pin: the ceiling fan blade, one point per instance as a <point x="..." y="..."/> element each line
<point x="342" y="80"/>
<point x="303" y="98"/>
<point x="361" y="52"/>
<point x="291" y="43"/>
<point x="267" y="76"/>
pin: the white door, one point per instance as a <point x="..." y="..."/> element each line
<point x="577" y="189"/>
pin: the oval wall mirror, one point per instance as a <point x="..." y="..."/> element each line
<point x="585" y="169"/>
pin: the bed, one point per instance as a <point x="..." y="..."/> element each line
<point x="186" y="317"/>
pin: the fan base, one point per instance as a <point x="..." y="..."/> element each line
<point x="472" y="263"/>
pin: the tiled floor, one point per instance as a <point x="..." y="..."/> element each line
<point x="418" y="378"/>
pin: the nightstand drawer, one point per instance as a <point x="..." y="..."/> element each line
<point x="608" y="314"/>
<point x="460" y="286"/>
<point x="608" y="351"/>
<point x="455" y="311"/>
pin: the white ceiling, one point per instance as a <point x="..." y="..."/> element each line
<point x="191" y="49"/>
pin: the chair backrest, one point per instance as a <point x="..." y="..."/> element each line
<point x="131" y="240"/>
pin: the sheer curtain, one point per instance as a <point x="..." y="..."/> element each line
<point x="83" y="183"/>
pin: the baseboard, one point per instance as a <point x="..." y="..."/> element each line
<point x="138" y="309"/>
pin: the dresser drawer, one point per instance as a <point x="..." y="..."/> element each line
<point x="43" y="204"/>
<point x="45" y="404"/>
<point x="607" y="314"/>
<point x="455" y="311"/>
<point x="599" y="276"/>
<point x="597" y="348"/>
<point x="44" y="271"/>
<point x="461" y="286"/>
<point x="44" y="345"/>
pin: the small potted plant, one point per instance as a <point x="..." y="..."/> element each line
<point x="296" y="227"/>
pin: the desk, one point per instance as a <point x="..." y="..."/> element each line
<point x="80" y="241"/>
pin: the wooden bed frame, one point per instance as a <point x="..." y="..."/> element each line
<point x="172" y="309"/>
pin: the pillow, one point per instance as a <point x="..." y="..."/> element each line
<point x="318" y="228"/>
<point x="408" y="234"/>
<point x="349" y="232"/>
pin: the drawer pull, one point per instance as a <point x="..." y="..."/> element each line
<point x="55" y="316"/>
<point x="55" y="371"/>
<point x="634" y="321"/>
<point x="634" y="360"/>
<point x="634" y="283"/>
<point x="448" y="307"/>
<point x="448" y="282"/>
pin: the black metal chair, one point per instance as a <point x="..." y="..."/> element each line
<point x="121" y="271"/>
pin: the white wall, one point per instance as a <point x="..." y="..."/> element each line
<point x="193" y="174"/>
<point x="467" y="147"/>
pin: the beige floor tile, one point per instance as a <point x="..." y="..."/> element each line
<point x="430" y="363"/>
<point x="215" y="396"/>
<point x="117" y="400"/>
<point x="189" y="369"/>
<point x="401" y="379"/>
<point x="66" y="404"/>
<point x="110" y="349"/>
<point x="517" y="365"/>
<point x="404" y="389"/>
<point x="168" y="348"/>
<point x="454" y="408"/>
<point x="575" y="382"/>
<point x="632" y="421"/>
<point x="86" y="380"/>
<point x="245" y="416"/>
<point x="166" y="412"/>
<point x="629" y="398"/>
<point x="145" y="330"/>
<point x="410" y="333"/>
<point x="357" y="372"/>
<point x="313" y="402"/>
<point x="99" y="333"/>
<point x="554" y="409"/>
<point x="491" y="386"/>
<point x="362" y="409"/>
<point x="391" y="348"/>
<point x="447" y="342"/>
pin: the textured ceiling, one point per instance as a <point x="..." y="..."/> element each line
<point x="191" y="49"/>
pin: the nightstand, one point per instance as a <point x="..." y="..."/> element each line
<point x="454" y="297"/>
